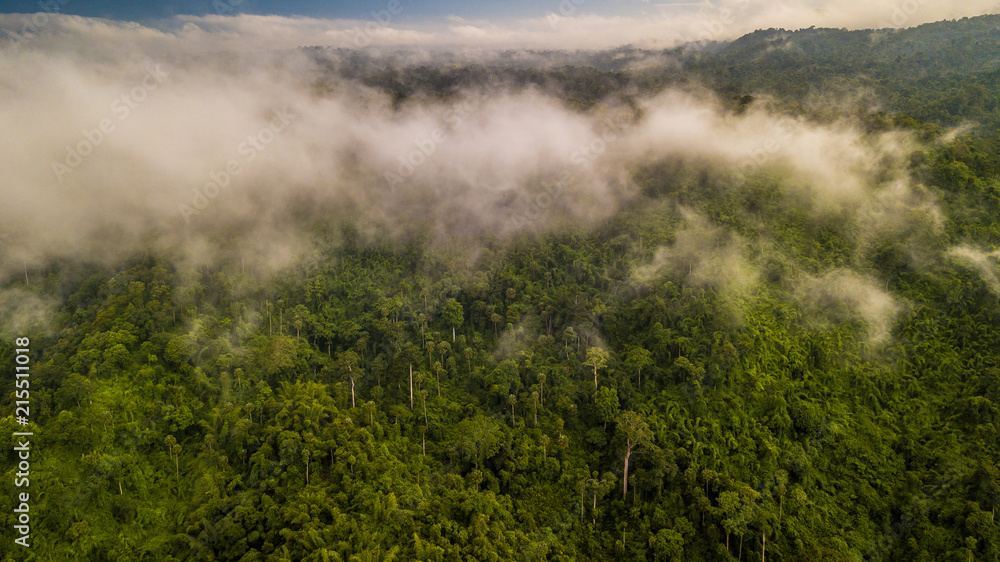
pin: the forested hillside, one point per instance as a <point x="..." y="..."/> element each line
<point x="733" y="364"/>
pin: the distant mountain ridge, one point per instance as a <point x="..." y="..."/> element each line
<point x="945" y="73"/>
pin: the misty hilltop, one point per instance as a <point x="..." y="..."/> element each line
<point x="897" y="68"/>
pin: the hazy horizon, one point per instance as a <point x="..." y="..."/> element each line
<point x="563" y="24"/>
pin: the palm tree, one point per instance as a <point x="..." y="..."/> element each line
<point x="437" y="372"/>
<point x="174" y="449"/>
<point x="569" y="334"/>
<point x="468" y="357"/>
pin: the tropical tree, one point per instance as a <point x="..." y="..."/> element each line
<point x="478" y="437"/>
<point x="638" y="358"/>
<point x="637" y="435"/>
<point x="348" y="361"/>
<point x="606" y="402"/>
<point x="452" y="315"/>
<point x="597" y="357"/>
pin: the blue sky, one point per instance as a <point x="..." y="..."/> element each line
<point x="414" y="9"/>
<point x="557" y="24"/>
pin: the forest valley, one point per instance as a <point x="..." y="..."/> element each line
<point x="774" y="361"/>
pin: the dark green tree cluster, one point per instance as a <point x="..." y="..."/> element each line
<point x="390" y="401"/>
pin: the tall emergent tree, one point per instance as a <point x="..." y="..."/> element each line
<point x="597" y="357"/>
<point x="637" y="435"/>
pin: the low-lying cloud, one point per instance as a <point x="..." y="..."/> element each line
<point x="843" y="295"/>
<point x="703" y="255"/>
<point x="121" y="138"/>
<point x="23" y="312"/>
<point x="985" y="264"/>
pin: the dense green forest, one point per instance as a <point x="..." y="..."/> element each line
<point x="618" y="391"/>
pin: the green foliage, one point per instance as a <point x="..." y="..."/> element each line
<point x="202" y="415"/>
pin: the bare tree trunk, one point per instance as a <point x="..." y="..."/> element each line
<point x="628" y="453"/>
<point x="411" y="386"/>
